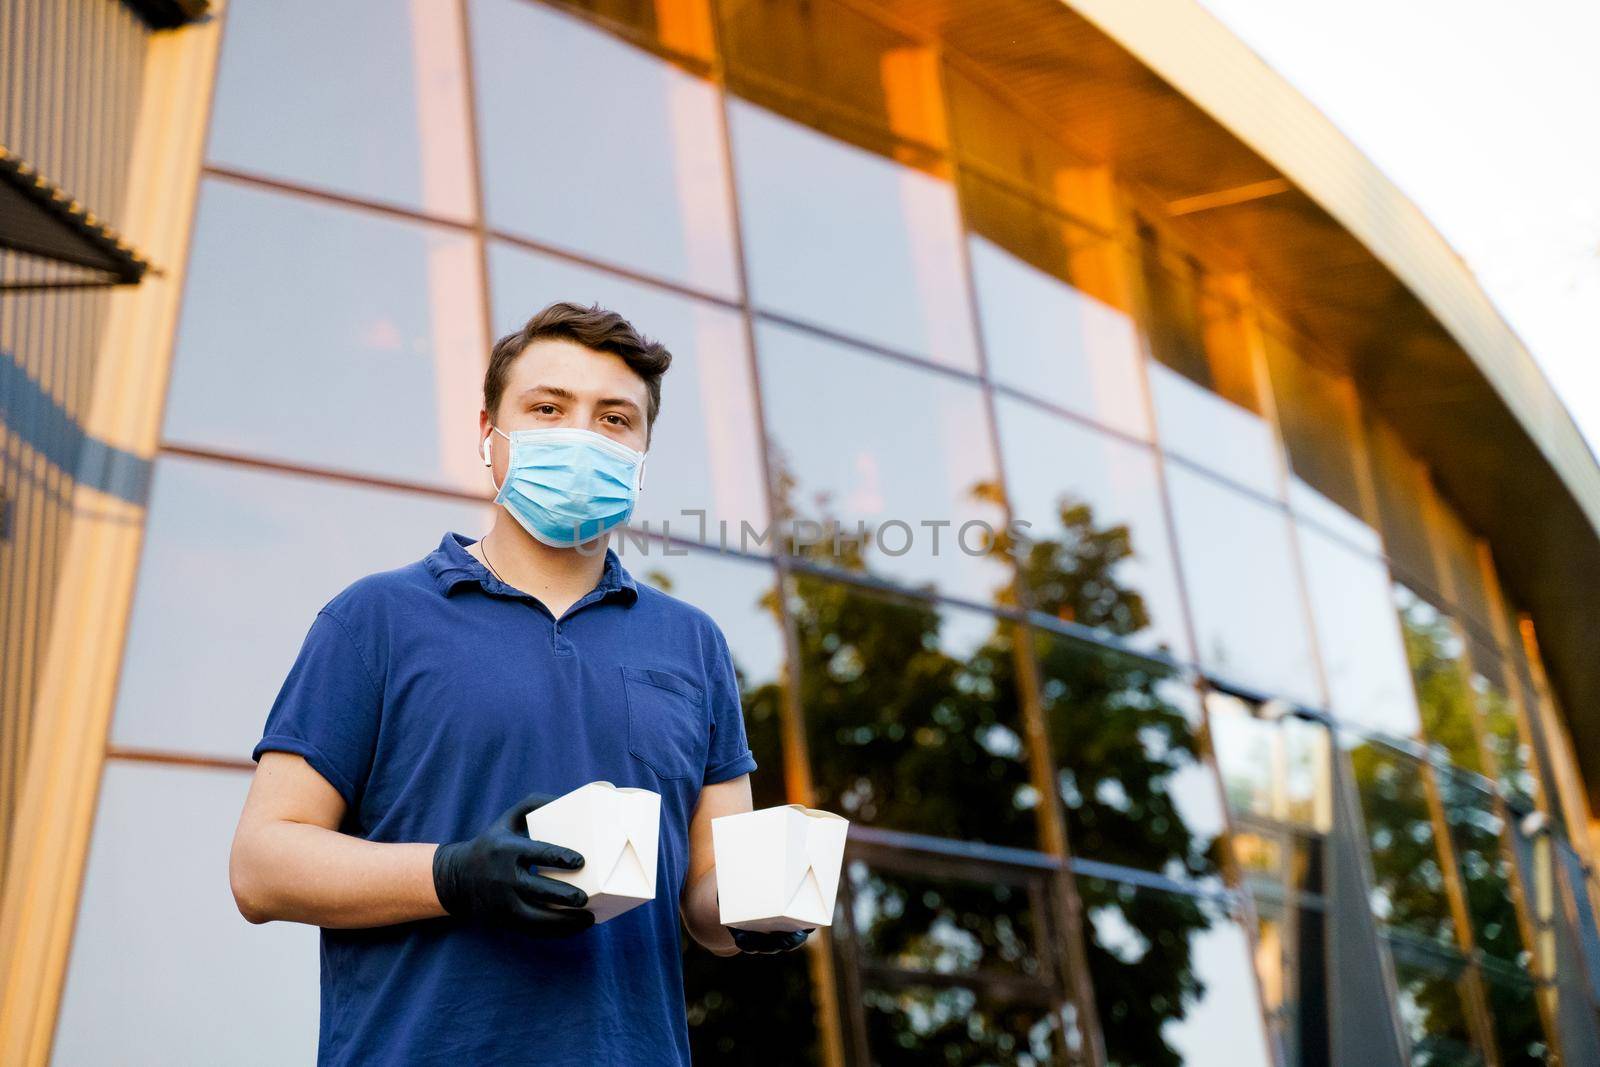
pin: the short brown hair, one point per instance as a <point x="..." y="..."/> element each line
<point x="592" y="327"/>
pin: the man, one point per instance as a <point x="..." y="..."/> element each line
<point x="442" y="701"/>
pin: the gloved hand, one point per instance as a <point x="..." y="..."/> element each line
<point x="488" y="877"/>
<point x="768" y="944"/>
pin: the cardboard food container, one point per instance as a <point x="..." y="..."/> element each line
<point x="615" y="830"/>
<point x="778" y="868"/>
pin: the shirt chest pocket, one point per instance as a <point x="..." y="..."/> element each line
<point x="667" y="724"/>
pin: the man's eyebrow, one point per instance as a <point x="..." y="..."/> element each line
<point x="550" y="390"/>
<point x="618" y="402"/>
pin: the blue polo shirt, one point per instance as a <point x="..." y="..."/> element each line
<point x="435" y="696"/>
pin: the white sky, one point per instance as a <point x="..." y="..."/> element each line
<point x="1486" y="114"/>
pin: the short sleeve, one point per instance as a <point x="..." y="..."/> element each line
<point x="328" y="709"/>
<point x="729" y="755"/>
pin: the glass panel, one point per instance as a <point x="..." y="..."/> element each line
<point x="830" y="66"/>
<point x="1358" y="636"/>
<point x="1244" y="594"/>
<point x="1273" y="770"/>
<point x="680" y="27"/>
<point x="1409" y="881"/>
<point x="1518" y="1027"/>
<point x="1125" y="736"/>
<point x="1097" y="551"/>
<point x="597" y="147"/>
<point x="157" y="951"/>
<point x="376" y="107"/>
<point x="910" y="1025"/>
<point x="704" y="450"/>
<point x="849" y="241"/>
<point x="1291" y="948"/>
<point x="911" y="714"/>
<point x="341" y="328"/>
<point x="199" y="674"/>
<point x="1403" y="491"/>
<point x="1317" y="416"/>
<point x="1431" y="984"/>
<point x="990" y="136"/>
<point x="1203" y="382"/>
<point x="1053" y="326"/>
<point x="918" y="922"/>
<point x="857" y="438"/>
<point x="1172" y="979"/>
<point x="1460" y="552"/>
<point x="1438" y="671"/>
<point x="1510" y="754"/>
<point x="1475" y="828"/>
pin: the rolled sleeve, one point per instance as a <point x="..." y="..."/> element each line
<point x="729" y="754"/>
<point x="328" y="709"/>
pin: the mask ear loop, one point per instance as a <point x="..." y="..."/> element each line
<point x="488" y="460"/>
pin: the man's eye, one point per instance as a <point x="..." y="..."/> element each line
<point x="617" y="420"/>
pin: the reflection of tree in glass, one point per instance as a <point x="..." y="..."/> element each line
<point x="953" y="1026"/>
<point x="1443" y="698"/>
<point x="1428" y="983"/>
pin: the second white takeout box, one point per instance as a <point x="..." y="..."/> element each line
<point x="778" y="868"/>
<point x="615" y="829"/>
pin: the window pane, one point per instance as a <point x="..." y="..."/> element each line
<point x="158" y="967"/>
<point x="1509" y="751"/>
<point x="704" y="454"/>
<point x="1409" y="879"/>
<point x="376" y="106"/>
<point x="857" y="438"/>
<point x="1518" y="1028"/>
<point x="1475" y="828"/>
<point x="1403" y="492"/>
<point x="357" y="339"/>
<point x="1097" y="552"/>
<point x="1244" y="594"/>
<point x="600" y="148"/>
<point x="1275" y="771"/>
<point x="910" y="1025"/>
<point x="1054" y="336"/>
<point x="1431" y="984"/>
<point x="1459" y="548"/>
<point x="1125" y="736"/>
<point x="1172" y="979"/>
<point x="1291" y="951"/>
<point x="199" y="674"/>
<point x="911" y="714"/>
<point x="849" y="241"/>
<point x="1439" y="673"/>
<point x="1358" y="635"/>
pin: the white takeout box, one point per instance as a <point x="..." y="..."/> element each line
<point x="778" y="868"/>
<point x="615" y="830"/>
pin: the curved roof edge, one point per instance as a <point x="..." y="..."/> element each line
<point x="1197" y="54"/>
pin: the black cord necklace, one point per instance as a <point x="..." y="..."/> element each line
<point x="483" y="546"/>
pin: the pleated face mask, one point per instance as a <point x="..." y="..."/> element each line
<point x="567" y="486"/>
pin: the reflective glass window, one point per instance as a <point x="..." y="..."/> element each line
<point x="376" y="106"/>
<point x="597" y="147"/>
<point x="1317" y="416"/>
<point x="1410" y="882"/>
<point x="991" y="138"/>
<point x="1097" y="551"/>
<point x="1519" y="1034"/>
<point x="910" y="1023"/>
<point x="1203" y="381"/>
<point x="199" y="674"/>
<point x="162" y="966"/>
<point x="1459" y="549"/>
<point x="1431" y="984"/>
<point x="1275" y="771"/>
<point x="681" y="28"/>
<point x="847" y="240"/>
<point x="1439" y="674"/>
<point x="911" y="714"/>
<point x="1054" y="326"/>
<point x="1244" y="592"/>
<point x="855" y="439"/>
<point x="1125" y="736"/>
<point x="333" y="337"/>
<point x="1475" y="831"/>
<point x="1291" y="951"/>
<point x="1403" y="491"/>
<point x="704" y="451"/>
<point x="1358" y="635"/>
<point x="1172" y="978"/>
<point x="1505" y="736"/>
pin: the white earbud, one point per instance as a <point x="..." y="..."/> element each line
<point x="487" y="461"/>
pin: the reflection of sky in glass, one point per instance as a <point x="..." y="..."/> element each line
<point x="1318" y="509"/>
<point x="1203" y="428"/>
<point x="874" y="440"/>
<point x="703" y="453"/>
<point x="1358" y="634"/>
<point x="1224" y="1026"/>
<point x="850" y="241"/>
<point x="1057" y="343"/>
<point x="1243" y="590"/>
<point x="601" y="148"/>
<point x="199" y="674"/>
<point x="366" y="97"/>
<point x="331" y="337"/>
<point x="1050" y="461"/>
<point x="159" y="941"/>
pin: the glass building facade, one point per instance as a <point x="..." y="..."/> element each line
<point x="1228" y="748"/>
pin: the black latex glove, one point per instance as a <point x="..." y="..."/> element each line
<point x="768" y="944"/>
<point x="488" y="877"/>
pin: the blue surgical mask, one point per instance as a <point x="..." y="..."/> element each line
<point x="567" y="486"/>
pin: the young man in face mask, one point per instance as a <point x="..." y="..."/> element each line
<point x="433" y="706"/>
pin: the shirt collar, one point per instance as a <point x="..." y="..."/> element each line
<point x="451" y="564"/>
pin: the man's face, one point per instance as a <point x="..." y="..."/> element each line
<point x="557" y="383"/>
